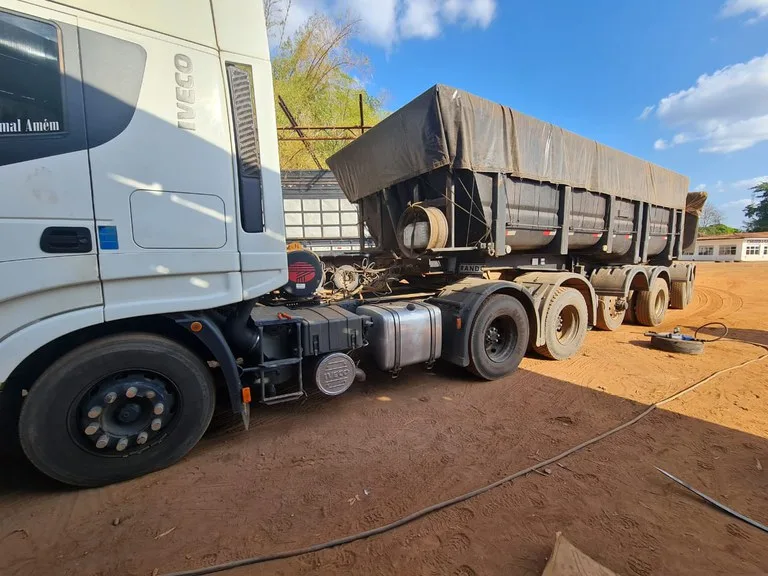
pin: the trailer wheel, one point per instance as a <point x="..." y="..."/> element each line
<point x="565" y="324"/>
<point x="680" y="295"/>
<point x="651" y="305"/>
<point x="499" y="337"/>
<point x="116" y="408"/>
<point x="610" y="313"/>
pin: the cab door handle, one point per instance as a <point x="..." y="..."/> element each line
<point x="66" y="240"/>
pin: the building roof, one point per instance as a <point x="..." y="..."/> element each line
<point x="737" y="236"/>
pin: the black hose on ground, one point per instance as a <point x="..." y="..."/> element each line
<point x="463" y="497"/>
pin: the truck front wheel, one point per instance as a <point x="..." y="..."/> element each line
<point x="499" y="337"/>
<point x="116" y="408"/>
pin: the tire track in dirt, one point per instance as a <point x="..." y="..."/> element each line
<point x="713" y="303"/>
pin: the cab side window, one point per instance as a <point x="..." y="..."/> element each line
<point x="31" y="94"/>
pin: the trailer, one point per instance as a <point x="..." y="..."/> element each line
<point x="145" y="259"/>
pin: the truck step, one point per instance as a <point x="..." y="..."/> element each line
<point x="282" y="398"/>
<point x="271" y="364"/>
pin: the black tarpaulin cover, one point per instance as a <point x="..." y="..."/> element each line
<point x="449" y="127"/>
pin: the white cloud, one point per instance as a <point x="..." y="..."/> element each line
<point x="647" y="111"/>
<point x="661" y="144"/>
<point x="741" y="203"/>
<point x="472" y="12"/>
<point x="385" y="22"/>
<point x="726" y="111"/>
<point x="719" y="186"/>
<point x="749" y="182"/>
<point x="739" y="7"/>
<point x="421" y="19"/>
<point x="700" y="188"/>
<point x="377" y="19"/>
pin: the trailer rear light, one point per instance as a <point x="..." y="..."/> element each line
<point x="247" y="143"/>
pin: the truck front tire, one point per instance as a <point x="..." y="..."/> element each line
<point x="116" y="408"/>
<point x="499" y="337"/>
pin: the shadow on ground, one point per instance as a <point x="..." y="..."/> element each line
<point x="324" y="468"/>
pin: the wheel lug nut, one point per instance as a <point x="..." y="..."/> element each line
<point x="156" y="424"/>
<point x="111" y="397"/>
<point x="141" y="438"/>
<point x="159" y="409"/>
<point x="150" y="394"/>
<point x="131" y="392"/>
<point x="91" y="429"/>
<point x="94" y="412"/>
<point x="102" y="441"/>
<point x="122" y="444"/>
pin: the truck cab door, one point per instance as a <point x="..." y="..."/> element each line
<point x="161" y="164"/>
<point x="48" y="255"/>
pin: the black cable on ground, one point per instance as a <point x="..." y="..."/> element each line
<point x="723" y="335"/>
<point x="463" y="497"/>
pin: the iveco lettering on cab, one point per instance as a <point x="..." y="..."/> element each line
<point x="185" y="93"/>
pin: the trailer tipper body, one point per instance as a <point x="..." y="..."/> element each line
<point x="153" y="264"/>
<point x="508" y="182"/>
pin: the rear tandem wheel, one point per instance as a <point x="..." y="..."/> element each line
<point x="499" y="337"/>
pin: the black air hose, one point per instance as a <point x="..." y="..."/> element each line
<point x="238" y="332"/>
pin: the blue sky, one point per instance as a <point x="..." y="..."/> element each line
<point x="698" y="68"/>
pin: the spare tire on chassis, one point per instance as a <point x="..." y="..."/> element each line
<point x="116" y="408"/>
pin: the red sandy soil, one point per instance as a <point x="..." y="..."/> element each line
<point x="326" y="468"/>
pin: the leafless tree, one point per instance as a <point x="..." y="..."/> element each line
<point x="710" y="216"/>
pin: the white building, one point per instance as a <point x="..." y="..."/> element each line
<point x="740" y="247"/>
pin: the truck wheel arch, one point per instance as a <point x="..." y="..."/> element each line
<point x="460" y="303"/>
<point x="70" y="330"/>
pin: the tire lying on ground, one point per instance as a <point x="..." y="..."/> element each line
<point x="499" y="337"/>
<point x="116" y="408"/>
<point x="565" y="324"/>
<point x="677" y="346"/>
<point x="609" y="316"/>
<point x="680" y="295"/>
<point x="651" y="305"/>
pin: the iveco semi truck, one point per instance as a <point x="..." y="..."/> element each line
<point x="144" y="268"/>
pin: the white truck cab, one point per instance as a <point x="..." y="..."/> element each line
<point x="123" y="195"/>
<point x="140" y="177"/>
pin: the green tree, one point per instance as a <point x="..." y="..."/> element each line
<point x="757" y="212"/>
<point x="317" y="74"/>
<point x="716" y="230"/>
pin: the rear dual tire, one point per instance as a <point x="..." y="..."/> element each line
<point x="680" y="295"/>
<point x="77" y="413"/>
<point x="565" y="324"/>
<point x="611" y="312"/>
<point x="651" y="305"/>
<point x="499" y="337"/>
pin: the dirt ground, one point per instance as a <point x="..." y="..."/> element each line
<point x="326" y="468"/>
